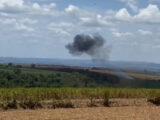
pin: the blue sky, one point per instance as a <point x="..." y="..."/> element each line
<point x="42" y="28"/>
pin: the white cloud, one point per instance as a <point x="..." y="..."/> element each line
<point x="51" y="5"/>
<point x="12" y="6"/>
<point x="43" y="8"/>
<point x="28" y="21"/>
<point x="47" y="9"/>
<point x="17" y="25"/>
<point x="123" y="15"/>
<point x="144" y="32"/>
<point x="11" y="3"/>
<point x="148" y="15"/>
<point x="71" y="9"/>
<point x="61" y="25"/>
<point x="60" y="28"/>
<point x="132" y="4"/>
<point x="59" y="31"/>
<point x="21" y="6"/>
<point x="36" y="6"/>
<point x="22" y="27"/>
<point x="118" y="34"/>
<point x="14" y="20"/>
<point x="76" y="13"/>
<point x="97" y="21"/>
<point x="8" y="21"/>
<point x="151" y="14"/>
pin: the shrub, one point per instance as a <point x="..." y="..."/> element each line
<point x="155" y="101"/>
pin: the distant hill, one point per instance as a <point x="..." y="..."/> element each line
<point x="117" y="65"/>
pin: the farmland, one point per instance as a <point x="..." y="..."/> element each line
<point x="38" y="86"/>
<point x="29" y="76"/>
<point x="47" y="92"/>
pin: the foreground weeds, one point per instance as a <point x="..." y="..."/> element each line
<point x="32" y="98"/>
<point x="62" y="104"/>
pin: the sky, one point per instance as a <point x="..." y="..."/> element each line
<point x="42" y="28"/>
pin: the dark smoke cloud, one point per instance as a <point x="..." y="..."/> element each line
<point x="94" y="46"/>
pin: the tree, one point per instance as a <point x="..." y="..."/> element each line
<point x="33" y="65"/>
<point x="17" y="71"/>
<point x="10" y="64"/>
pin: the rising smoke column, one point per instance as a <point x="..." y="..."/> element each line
<point x="92" y="45"/>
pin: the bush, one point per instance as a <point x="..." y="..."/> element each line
<point x="155" y="101"/>
<point x="33" y="65"/>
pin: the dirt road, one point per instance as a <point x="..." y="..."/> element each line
<point x="99" y="113"/>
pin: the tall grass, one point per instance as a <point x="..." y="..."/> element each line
<point x="34" y="96"/>
<point x="74" y="93"/>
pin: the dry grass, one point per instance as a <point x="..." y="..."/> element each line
<point x="101" y="113"/>
<point x="142" y="76"/>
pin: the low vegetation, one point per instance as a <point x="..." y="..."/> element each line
<point x="28" y="77"/>
<point x="18" y="76"/>
<point x="30" y="88"/>
<point x="32" y="98"/>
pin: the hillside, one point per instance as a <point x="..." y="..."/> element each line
<point x="116" y="65"/>
<point x="69" y="76"/>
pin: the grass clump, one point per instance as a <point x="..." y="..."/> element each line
<point x="12" y="104"/>
<point x="92" y="98"/>
<point x="30" y="104"/>
<point x="62" y="104"/>
<point x="106" y="99"/>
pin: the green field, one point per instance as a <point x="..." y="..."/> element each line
<point x="75" y="93"/>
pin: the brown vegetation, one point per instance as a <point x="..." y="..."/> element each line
<point x="142" y="76"/>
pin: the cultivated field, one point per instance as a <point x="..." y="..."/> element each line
<point x="44" y="95"/>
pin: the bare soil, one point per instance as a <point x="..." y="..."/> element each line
<point x="120" y="109"/>
<point x="97" y="113"/>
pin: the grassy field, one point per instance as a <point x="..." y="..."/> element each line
<point x="33" y="98"/>
<point x="75" y="93"/>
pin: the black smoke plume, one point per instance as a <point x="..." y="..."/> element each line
<point x="94" y="46"/>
